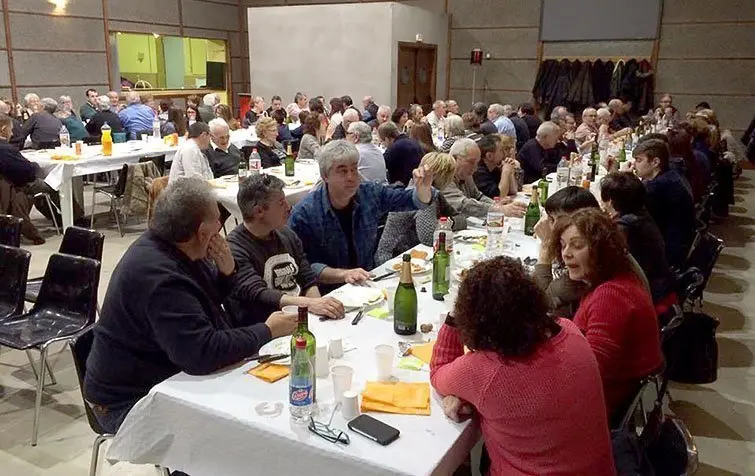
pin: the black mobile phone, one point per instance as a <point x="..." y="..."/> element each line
<point x="374" y="429"/>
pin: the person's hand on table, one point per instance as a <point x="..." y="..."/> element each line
<point x="281" y="324"/>
<point x="355" y="276"/>
<point x="515" y="209"/>
<point x="327" y="306"/>
<point x="457" y="409"/>
<point x="507" y="199"/>
<point x="220" y="253"/>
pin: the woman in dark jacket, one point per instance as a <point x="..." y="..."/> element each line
<point x="624" y="198"/>
<point x="682" y="159"/>
<point x="271" y="152"/>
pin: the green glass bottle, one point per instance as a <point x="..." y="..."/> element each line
<point x="302" y="331"/>
<point x="441" y="269"/>
<point x="543" y="191"/>
<point x="532" y="216"/>
<point x="622" y="153"/>
<point x="289" y="164"/>
<point x="594" y="163"/>
<point x="405" y="303"/>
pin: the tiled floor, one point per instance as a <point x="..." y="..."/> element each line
<point x="721" y="416"/>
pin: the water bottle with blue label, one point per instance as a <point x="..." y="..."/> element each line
<point x="301" y="384"/>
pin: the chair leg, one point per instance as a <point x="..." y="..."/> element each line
<point x="40" y="388"/>
<point x="52" y="375"/>
<point x="94" y="196"/>
<point x="96" y="453"/>
<point x="52" y="209"/>
<point x="53" y="381"/>
<point x="114" y="208"/>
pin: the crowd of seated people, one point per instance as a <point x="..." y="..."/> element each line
<point x="586" y="322"/>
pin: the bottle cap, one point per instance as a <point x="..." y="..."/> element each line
<point x="443" y="219"/>
<point x="301" y="343"/>
<point x="496" y="199"/>
<point x="406" y="258"/>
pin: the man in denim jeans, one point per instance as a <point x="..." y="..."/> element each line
<point x="338" y="222"/>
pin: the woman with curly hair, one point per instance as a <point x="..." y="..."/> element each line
<point x="616" y="314"/>
<point x="532" y="380"/>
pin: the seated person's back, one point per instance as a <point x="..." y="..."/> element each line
<point x="402" y="154"/>
<point x="533" y="380"/>
<point x="189" y="160"/>
<point x="162" y="312"/>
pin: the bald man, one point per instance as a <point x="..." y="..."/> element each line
<point x="349" y="116"/>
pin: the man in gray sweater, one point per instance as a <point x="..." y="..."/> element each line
<point x="273" y="270"/>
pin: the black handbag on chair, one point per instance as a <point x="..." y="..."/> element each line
<point x="691" y="350"/>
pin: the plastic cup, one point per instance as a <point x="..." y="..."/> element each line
<point x="391" y="297"/>
<point x="290" y="310"/>
<point x="384" y="358"/>
<point x="321" y="361"/>
<point x="342" y="376"/>
<point x="350" y="405"/>
<point x="336" y="347"/>
<point x="145" y="137"/>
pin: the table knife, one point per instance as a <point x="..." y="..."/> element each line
<point x="384" y="276"/>
<point x="358" y="317"/>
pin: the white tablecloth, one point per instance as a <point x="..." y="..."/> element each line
<point x="208" y="425"/>
<point x="307" y="173"/>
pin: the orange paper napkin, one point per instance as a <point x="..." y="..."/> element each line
<point x="269" y="372"/>
<point x="423" y="352"/>
<point x="400" y="397"/>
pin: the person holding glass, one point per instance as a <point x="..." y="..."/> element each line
<point x="531" y="380"/>
<point x="616" y="314"/>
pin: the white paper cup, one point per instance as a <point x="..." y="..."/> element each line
<point x="290" y="310"/>
<point x="336" y="347"/>
<point x="145" y="137"/>
<point x="384" y="358"/>
<point x="321" y="361"/>
<point x="342" y="376"/>
<point x="350" y="405"/>
<point x="391" y="298"/>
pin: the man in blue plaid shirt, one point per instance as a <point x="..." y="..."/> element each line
<point x="338" y="222"/>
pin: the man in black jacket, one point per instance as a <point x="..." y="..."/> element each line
<point x="162" y="313"/>
<point x="527" y="113"/>
<point x="536" y="155"/>
<point x="402" y="155"/>
<point x="104" y="114"/>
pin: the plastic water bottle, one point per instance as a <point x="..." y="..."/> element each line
<point x="64" y="137"/>
<point x="576" y="173"/>
<point x="444" y="225"/>
<point x="255" y="163"/>
<point x="301" y="384"/>
<point x="156" y="128"/>
<point x="495" y="227"/>
<point x="562" y="173"/>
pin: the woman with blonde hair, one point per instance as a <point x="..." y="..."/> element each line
<point x="224" y="112"/>
<point x="404" y="230"/>
<point x="270" y="150"/>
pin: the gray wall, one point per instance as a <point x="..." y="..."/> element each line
<point x="707" y="52"/>
<point x="63" y="52"/>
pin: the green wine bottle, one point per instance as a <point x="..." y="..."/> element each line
<point x="289" y="164"/>
<point x="441" y="269"/>
<point x="405" y="303"/>
<point x="532" y="216"/>
<point x="594" y="163"/>
<point x="622" y="153"/>
<point x="302" y="330"/>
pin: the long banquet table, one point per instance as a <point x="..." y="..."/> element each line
<point x="207" y="425"/>
<point x="59" y="174"/>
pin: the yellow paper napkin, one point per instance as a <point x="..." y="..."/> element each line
<point x="400" y="397"/>
<point x="423" y="352"/>
<point x="269" y="372"/>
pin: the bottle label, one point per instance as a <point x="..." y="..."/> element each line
<point x="300" y="395"/>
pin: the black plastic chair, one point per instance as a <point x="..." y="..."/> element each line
<point x="114" y="193"/>
<point x="81" y="346"/>
<point x="66" y="305"/>
<point x="10" y="230"/>
<point x="703" y="256"/>
<point x="14" y="267"/>
<point x="78" y="242"/>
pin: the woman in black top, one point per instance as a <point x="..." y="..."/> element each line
<point x="271" y="152"/>
<point x="624" y="198"/>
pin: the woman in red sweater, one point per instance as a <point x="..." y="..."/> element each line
<point x="532" y="380"/>
<point x="616" y="314"/>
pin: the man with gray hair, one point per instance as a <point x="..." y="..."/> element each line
<point x="452" y="108"/>
<point x="65" y="103"/>
<point x="32" y="104"/>
<point x="436" y="118"/>
<point x="497" y="115"/>
<point x="189" y="160"/>
<point x="224" y="157"/>
<point x="338" y="221"/>
<point x="273" y="271"/>
<point x="136" y="118"/>
<point x="382" y="116"/>
<point x="371" y="162"/>
<point x="43" y="126"/>
<point x="115" y="104"/>
<point x="536" y="156"/>
<point x="206" y="110"/>
<point x="349" y="116"/>
<point x="558" y="114"/>
<point x="163" y="312"/>
<point x="104" y="114"/>
<point x="462" y="192"/>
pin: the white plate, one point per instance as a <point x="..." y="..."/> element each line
<point x="422" y="266"/>
<point x="282" y="345"/>
<point x="354" y="297"/>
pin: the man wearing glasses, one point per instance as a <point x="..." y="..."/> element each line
<point x="224" y="157"/>
<point x="189" y="160"/>
<point x="273" y="271"/>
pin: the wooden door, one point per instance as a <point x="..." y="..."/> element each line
<point x="416" y="75"/>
